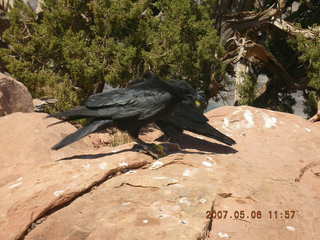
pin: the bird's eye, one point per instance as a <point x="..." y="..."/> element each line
<point x="197" y="103"/>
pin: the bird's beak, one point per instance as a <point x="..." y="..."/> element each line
<point x="197" y="103"/>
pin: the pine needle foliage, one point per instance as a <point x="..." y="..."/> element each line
<point x="73" y="46"/>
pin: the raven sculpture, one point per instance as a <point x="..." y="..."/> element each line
<point x="129" y="109"/>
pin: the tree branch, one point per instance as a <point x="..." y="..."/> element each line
<point x="316" y="117"/>
<point x="310" y="33"/>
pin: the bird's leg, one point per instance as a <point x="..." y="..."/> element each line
<point x="173" y="140"/>
<point x="171" y="135"/>
<point x="154" y="150"/>
<point x="172" y="143"/>
<point x="169" y="138"/>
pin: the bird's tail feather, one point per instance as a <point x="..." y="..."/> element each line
<point x="211" y="132"/>
<point x="74" y="114"/>
<point x="94" y="126"/>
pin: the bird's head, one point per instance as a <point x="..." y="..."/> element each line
<point x="149" y="76"/>
<point x="183" y="90"/>
<point x="180" y="88"/>
<point x="201" y="101"/>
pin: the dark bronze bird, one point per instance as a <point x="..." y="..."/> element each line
<point x="189" y="116"/>
<point x="129" y="109"/>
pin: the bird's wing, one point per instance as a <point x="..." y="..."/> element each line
<point x="187" y="111"/>
<point x="187" y="117"/>
<point x="153" y="102"/>
<point x="113" y="97"/>
<point x="93" y="126"/>
<point x="125" y="103"/>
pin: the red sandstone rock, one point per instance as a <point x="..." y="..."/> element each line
<point x="14" y="96"/>
<point x="102" y="194"/>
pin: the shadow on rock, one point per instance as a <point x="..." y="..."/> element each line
<point x="190" y="142"/>
<point x="93" y="156"/>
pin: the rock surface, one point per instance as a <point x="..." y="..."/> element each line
<point x="119" y="194"/>
<point x="41" y="104"/>
<point x="14" y="96"/>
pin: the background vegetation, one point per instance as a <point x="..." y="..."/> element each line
<point x="72" y="47"/>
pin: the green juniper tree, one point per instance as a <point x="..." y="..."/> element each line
<point x="73" y="47"/>
<point x="310" y="58"/>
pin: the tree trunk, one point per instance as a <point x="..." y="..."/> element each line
<point x="242" y="29"/>
<point x="316" y="117"/>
